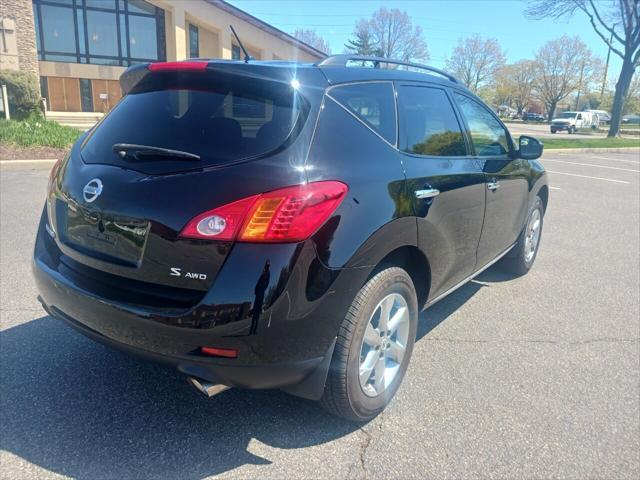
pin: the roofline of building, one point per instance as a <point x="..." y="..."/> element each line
<point x="256" y="22"/>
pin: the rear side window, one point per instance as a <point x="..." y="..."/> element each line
<point x="428" y="125"/>
<point x="372" y="103"/>
<point x="488" y="136"/>
<point x="220" y="124"/>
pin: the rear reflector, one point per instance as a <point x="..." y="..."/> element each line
<point x="219" y="352"/>
<point x="178" y="66"/>
<point x="290" y="214"/>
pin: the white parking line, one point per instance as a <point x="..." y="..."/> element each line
<point x="593" y="165"/>
<point x="587" y="176"/>
<point x="634" y="162"/>
<point x="554" y="188"/>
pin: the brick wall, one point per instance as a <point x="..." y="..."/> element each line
<point x="21" y="52"/>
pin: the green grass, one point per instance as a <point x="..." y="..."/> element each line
<point x="36" y="131"/>
<point x="557" y="143"/>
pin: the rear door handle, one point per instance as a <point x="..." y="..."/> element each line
<point x="427" y="193"/>
<point x="493" y="185"/>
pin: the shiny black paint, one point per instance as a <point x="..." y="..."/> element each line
<point x="279" y="305"/>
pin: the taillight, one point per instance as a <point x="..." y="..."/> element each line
<point x="178" y="66"/>
<point x="290" y="214"/>
<point x="219" y="352"/>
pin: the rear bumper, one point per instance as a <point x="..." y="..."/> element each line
<point x="288" y="345"/>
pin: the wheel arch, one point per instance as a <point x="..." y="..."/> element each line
<point x="411" y="259"/>
<point x="543" y="193"/>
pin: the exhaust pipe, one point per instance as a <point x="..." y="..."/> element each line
<point x="207" y="388"/>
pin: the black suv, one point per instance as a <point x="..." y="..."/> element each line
<point x="280" y="225"/>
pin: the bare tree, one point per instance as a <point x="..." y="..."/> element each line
<point x="617" y="23"/>
<point x="392" y="35"/>
<point x="311" y="37"/>
<point x="558" y="65"/>
<point x="516" y="83"/>
<point x="475" y="60"/>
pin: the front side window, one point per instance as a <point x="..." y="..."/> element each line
<point x="372" y="103"/>
<point x="428" y="125"/>
<point x="488" y="136"/>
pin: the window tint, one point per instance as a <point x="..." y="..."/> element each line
<point x="372" y="103"/>
<point x="428" y="125"/>
<point x="227" y="122"/>
<point x="488" y="136"/>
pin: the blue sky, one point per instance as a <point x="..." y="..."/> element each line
<point x="443" y="22"/>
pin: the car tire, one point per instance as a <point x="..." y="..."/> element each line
<point x="553" y="131"/>
<point x="571" y="130"/>
<point x="355" y="390"/>
<point x="520" y="260"/>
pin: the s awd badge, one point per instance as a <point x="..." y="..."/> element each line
<point x="177" y="272"/>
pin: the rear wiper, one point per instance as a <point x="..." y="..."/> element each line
<point x="124" y="149"/>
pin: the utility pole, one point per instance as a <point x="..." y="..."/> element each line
<point x="606" y="68"/>
<point x="579" y="85"/>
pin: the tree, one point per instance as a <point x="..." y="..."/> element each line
<point x="632" y="102"/>
<point x="312" y="38"/>
<point x="475" y="60"/>
<point x="393" y="35"/>
<point x="558" y="66"/>
<point x="363" y="44"/>
<point x="617" y="23"/>
<point x="515" y="84"/>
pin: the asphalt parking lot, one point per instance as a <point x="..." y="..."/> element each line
<point x="535" y="377"/>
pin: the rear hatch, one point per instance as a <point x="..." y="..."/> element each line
<point x="179" y="143"/>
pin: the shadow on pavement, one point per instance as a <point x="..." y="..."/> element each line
<point x="79" y="409"/>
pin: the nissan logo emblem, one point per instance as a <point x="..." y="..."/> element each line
<point x="92" y="190"/>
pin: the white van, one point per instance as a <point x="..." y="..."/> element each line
<point x="572" y="121"/>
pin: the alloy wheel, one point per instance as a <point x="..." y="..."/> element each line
<point x="532" y="235"/>
<point x="384" y="344"/>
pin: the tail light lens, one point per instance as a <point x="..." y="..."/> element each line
<point x="290" y="214"/>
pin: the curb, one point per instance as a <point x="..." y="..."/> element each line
<point x="594" y="150"/>
<point x="17" y="161"/>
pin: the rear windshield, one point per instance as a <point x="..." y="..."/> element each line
<point x="220" y="125"/>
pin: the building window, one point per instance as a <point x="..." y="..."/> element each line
<point x="107" y="32"/>
<point x="194" y="43"/>
<point x="86" y="95"/>
<point x="235" y="52"/>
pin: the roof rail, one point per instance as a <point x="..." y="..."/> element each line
<point x="342" y="60"/>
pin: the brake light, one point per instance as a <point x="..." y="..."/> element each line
<point x="219" y="352"/>
<point x="290" y="214"/>
<point x="178" y="66"/>
<point x="222" y="223"/>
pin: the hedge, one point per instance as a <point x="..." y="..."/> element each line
<point x="23" y="90"/>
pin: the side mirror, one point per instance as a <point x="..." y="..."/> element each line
<point x="529" y="148"/>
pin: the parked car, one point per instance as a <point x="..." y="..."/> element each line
<point x="632" y="119"/>
<point x="279" y="225"/>
<point x="572" y="121"/>
<point x="532" y="117"/>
